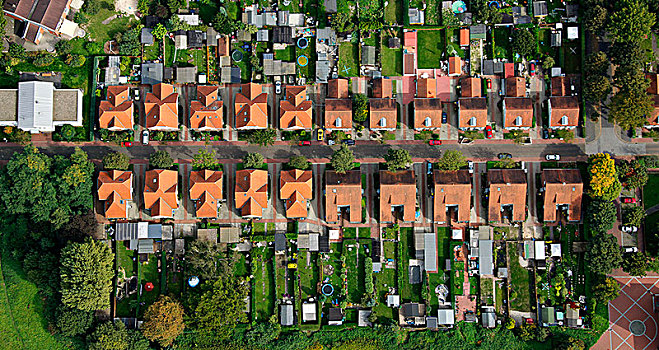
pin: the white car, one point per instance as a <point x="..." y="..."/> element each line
<point x="145" y="137"/>
<point x="631" y="250"/>
<point x="554" y="157"/>
<point x="470" y="164"/>
<point x="629" y="229"/>
<point x="278" y="87"/>
<point x="137" y="95"/>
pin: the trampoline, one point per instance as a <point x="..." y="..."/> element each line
<point x="459" y="7"/>
<point x="193" y="281"/>
<point x="148" y="286"/>
<point x="237" y="56"/>
<point x="302" y="61"/>
<point x="302" y="43"/>
<point x="327" y="289"/>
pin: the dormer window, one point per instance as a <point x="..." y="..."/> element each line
<point x="518" y="121"/>
<point x="427" y="122"/>
<point x="383" y="122"/>
<point x="338" y="122"/>
<point x="564" y="120"/>
<point x="472" y="121"/>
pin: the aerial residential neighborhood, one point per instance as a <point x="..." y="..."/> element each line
<point x="329" y="174"/>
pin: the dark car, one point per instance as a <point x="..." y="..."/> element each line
<point x="349" y="142"/>
<point x="545" y="133"/>
<point x="504" y="155"/>
<point x="444" y="118"/>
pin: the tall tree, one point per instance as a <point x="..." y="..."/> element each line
<point x="343" y="160"/>
<point x="86" y="272"/>
<point x="72" y="322"/>
<point x="632" y="21"/>
<point x="595" y="18"/>
<point x="606" y="290"/>
<point x="597" y="63"/>
<point x="452" y="160"/>
<point x="360" y="108"/>
<point x="596" y="88"/>
<point x="627" y="53"/>
<point x="262" y="137"/>
<point x="221" y="307"/>
<point x="163" y="321"/>
<point x="630" y="109"/>
<point x="604" y="254"/>
<point x="201" y="260"/>
<point x="523" y="42"/>
<point x="299" y="162"/>
<point x="601" y="215"/>
<point x="635" y="264"/>
<point x="115" y="336"/>
<point x="604" y="183"/>
<point x="397" y="159"/>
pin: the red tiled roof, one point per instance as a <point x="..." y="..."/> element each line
<point x="116" y="113"/>
<point x="426" y="88"/>
<point x="409" y="39"/>
<point x="161" y="192"/>
<point x="251" y="106"/>
<point x="454" y="65"/>
<point x="338" y="113"/>
<point x="206" y="192"/>
<point x="296" y="110"/>
<point x="161" y="107"/>
<point x="560" y="86"/>
<point x="469" y="108"/>
<point x="251" y="192"/>
<point x="516" y="87"/>
<point x="382" y="88"/>
<point x="296" y="191"/>
<point x="518" y="112"/>
<point x="471" y="87"/>
<point x="427" y="113"/>
<point x="115" y="187"/>
<point x="653" y="119"/>
<point x="452" y="188"/>
<point x="207" y="110"/>
<point x="464" y="37"/>
<point x="343" y="191"/>
<point x="562" y="187"/>
<point x="409" y="63"/>
<point x="383" y="113"/>
<point x="397" y="189"/>
<point x="507" y="187"/>
<point x="337" y="88"/>
<point x="509" y="70"/>
<point x="564" y="111"/>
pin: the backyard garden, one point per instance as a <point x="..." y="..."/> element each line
<point x="519" y="281"/>
<point x="430" y="46"/>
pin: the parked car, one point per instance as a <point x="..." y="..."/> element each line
<point x="127" y="144"/>
<point x="278" y="87"/>
<point x="444" y="118"/>
<point x="349" y="142"/>
<point x="145" y="137"/>
<point x="545" y="134"/>
<point x="321" y="134"/>
<point x="435" y="142"/>
<point x="331" y="142"/>
<point x="629" y="229"/>
<point x="628" y="200"/>
<point x="136" y="95"/>
<point x="532" y="69"/>
<point x="504" y="155"/>
<point x="429" y="168"/>
<point x="488" y="132"/>
<point x="489" y="85"/>
<point x="304" y="143"/>
<point x="553" y="157"/>
<point x="631" y="250"/>
<point x="470" y="165"/>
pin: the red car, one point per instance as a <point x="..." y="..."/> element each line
<point x="532" y="69"/>
<point x="304" y="143"/>
<point x="127" y="144"/>
<point x="435" y="142"/>
<point x="488" y="132"/>
<point x="628" y="200"/>
<point x="489" y="84"/>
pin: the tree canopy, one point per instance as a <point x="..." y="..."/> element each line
<point x="86" y="275"/>
<point x="72" y="322"/>
<point x="595" y="18"/>
<point x="601" y="215"/>
<point x="161" y="160"/>
<point x="604" y="182"/>
<point x="201" y="260"/>
<point x="163" y="321"/>
<point x="397" y="159"/>
<point x="632" y="174"/>
<point x="604" y="254"/>
<point x="606" y="290"/>
<point x="205" y="159"/>
<point x="523" y="42"/>
<point x="221" y="307"/>
<point x="635" y="264"/>
<point x="632" y="21"/>
<point x="262" y="137"/>
<point x="299" y="162"/>
<point x="115" y="336"/>
<point x="630" y="108"/>
<point x="452" y="160"/>
<point x="116" y="161"/>
<point x="360" y="108"/>
<point x="253" y="161"/>
<point x="343" y="160"/>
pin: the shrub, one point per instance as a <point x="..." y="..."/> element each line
<point x="43" y="60"/>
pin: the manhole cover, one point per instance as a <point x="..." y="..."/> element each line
<point x="637" y="328"/>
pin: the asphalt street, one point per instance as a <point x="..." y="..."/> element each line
<point x="475" y="152"/>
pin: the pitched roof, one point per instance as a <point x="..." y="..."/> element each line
<point x="471" y="87"/>
<point x="464" y="37"/>
<point x="427" y="113"/>
<point x="337" y="88"/>
<point x="507" y="187"/>
<point x="296" y="190"/>
<point x="296" y="110"/>
<point x="117" y="111"/>
<point x="383" y="113"/>
<point x="251" y="106"/>
<point x="516" y="87"/>
<point x="338" y="113"/>
<point x="518" y="112"/>
<point x="47" y="13"/>
<point x="207" y="110"/>
<point x="560" y="86"/>
<point x="382" y="88"/>
<point x="251" y="191"/>
<point x="469" y="108"/>
<point x="454" y="65"/>
<point x="343" y="190"/>
<point x="409" y="38"/>
<point x="562" y="186"/>
<point x="452" y="188"/>
<point x="115" y="187"/>
<point x="206" y="192"/>
<point x="161" y="192"/>
<point x="564" y="111"/>
<point x="653" y="119"/>
<point x="397" y="189"/>
<point x="161" y="107"/>
<point x="653" y="89"/>
<point x="426" y="88"/>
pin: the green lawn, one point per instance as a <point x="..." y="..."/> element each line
<point x="392" y="59"/>
<point x="501" y="43"/>
<point x="519" y="281"/>
<point x="287" y="54"/>
<point x="240" y="267"/>
<point x="457" y="277"/>
<point x="487" y="291"/>
<point x="335" y="262"/>
<point x="453" y="43"/>
<point x="348" y="60"/>
<point x="280" y="275"/>
<point x="263" y="301"/>
<point x="443" y="245"/>
<point x="569" y="56"/>
<point x="192" y="57"/>
<point x="365" y="232"/>
<point x="651" y="191"/>
<point x="308" y="270"/>
<point x="149" y="273"/>
<point x="308" y="71"/>
<point x="408" y="292"/>
<point x="22" y="323"/>
<point x="355" y="263"/>
<point x="430" y="48"/>
<point x="169" y="52"/>
<point x="103" y="32"/>
<point x="126" y="267"/>
<point x="382" y="281"/>
<point x="152" y="52"/>
<point x="259" y="228"/>
<point x="393" y="12"/>
<point x="349" y="232"/>
<point x="435" y="279"/>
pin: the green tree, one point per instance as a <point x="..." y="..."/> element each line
<point x="572" y="344"/>
<point x="116" y="161"/>
<point x="16" y="51"/>
<point x="632" y="21"/>
<point x="449" y="19"/>
<point x="601" y="215"/>
<point x="632" y="174"/>
<point x="633" y="215"/>
<point x="606" y="290"/>
<point x="225" y="25"/>
<point x="161" y="160"/>
<point x="360" y="108"/>
<point x="452" y="160"/>
<point x="635" y="264"/>
<point x="343" y="160"/>
<point x="72" y="322"/>
<point x="523" y="42"/>
<point x="510" y="323"/>
<point x="604" y="183"/>
<point x="548" y="63"/>
<point x="129" y="41"/>
<point x="299" y="162"/>
<point x="629" y="109"/>
<point x="627" y="53"/>
<point x="201" y="260"/>
<point x="159" y="31"/>
<point x="596" y="88"/>
<point x="483" y="13"/>
<point x="604" y="254"/>
<point x="262" y="137"/>
<point x="630" y="79"/>
<point x="343" y="22"/>
<point x="597" y="63"/>
<point x="595" y="18"/>
<point x="397" y="159"/>
<point x="163" y="321"/>
<point x="115" y="336"/>
<point x="505" y="163"/>
<point x="263" y="334"/>
<point x="253" y="161"/>
<point x="86" y="274"/>
<point x="204" y="159"/>
<point x="221" y="307"/>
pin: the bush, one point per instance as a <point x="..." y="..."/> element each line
<point x="67" y="132"/>
<point x="253" y="160"/>
<point x="72" y="322"/>
<point x="75" y="60"/>
<point x="43" y="60"/>
<point x="16" y="51"/>
<point x="633" y="216"/>
<point x="116" y="160"/>
<point x="161" y="160"/>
